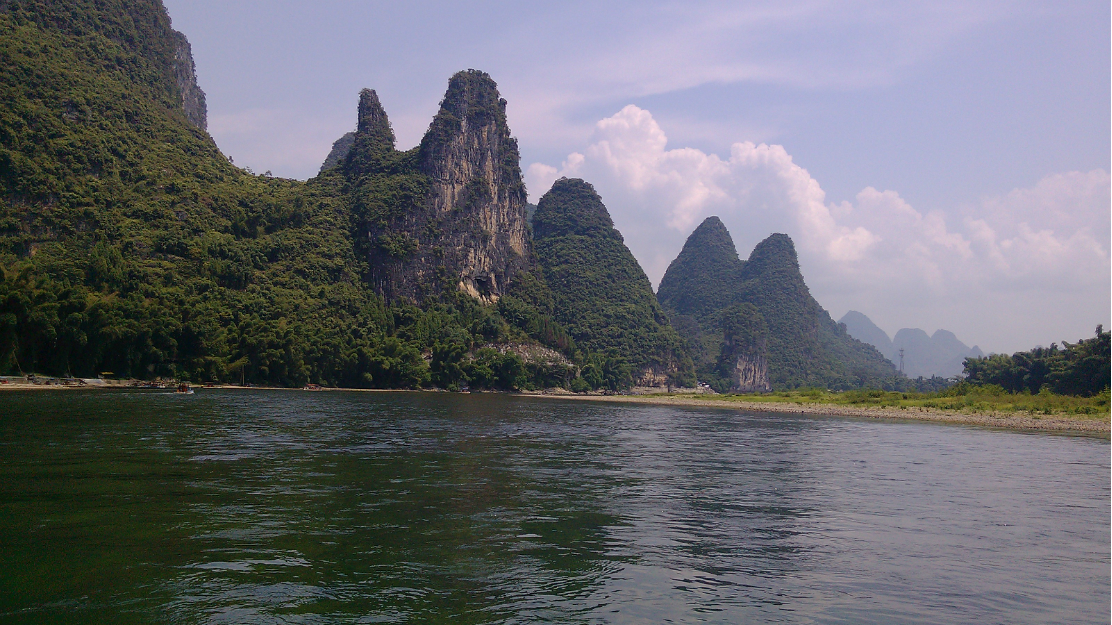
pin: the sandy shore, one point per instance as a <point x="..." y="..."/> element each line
<point x="1099" y="426"/>
<point x="1012" y="421"/>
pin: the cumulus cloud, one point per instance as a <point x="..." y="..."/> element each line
<point x="1029" y="267"/>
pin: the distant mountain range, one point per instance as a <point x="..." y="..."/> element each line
<point x="940" y="354"/>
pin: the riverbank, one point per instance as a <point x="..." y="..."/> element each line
<point x="1086" y="424"/>
<point x="1024" y="420"/>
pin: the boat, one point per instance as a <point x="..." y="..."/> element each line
<point x="184" y="388"/>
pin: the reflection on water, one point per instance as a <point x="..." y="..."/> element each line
<point x="245" y="506"/>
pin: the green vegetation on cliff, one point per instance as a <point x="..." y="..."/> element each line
<point x="130" y="244"/>
<point x="600" y="293"/>
<point x="805" y="348"/>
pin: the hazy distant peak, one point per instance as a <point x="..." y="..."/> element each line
<point x="863" y="329"/>
<point x="911" y="335"/>
<point x="854" y="319"/>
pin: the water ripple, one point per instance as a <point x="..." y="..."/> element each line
<point x="262" y="507"/>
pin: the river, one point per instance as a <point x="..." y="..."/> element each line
<point x="236" y="506"/>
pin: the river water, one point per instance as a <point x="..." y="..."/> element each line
<point x="292" y="507"/>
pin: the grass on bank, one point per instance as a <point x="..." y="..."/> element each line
<point x="959" y="398"/>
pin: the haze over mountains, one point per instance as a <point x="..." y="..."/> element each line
<point x="940" y="354"/>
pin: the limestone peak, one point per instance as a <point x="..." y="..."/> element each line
<point x="775" y="253"/>
<point x="705" y="275"/>
<point x="572" y="207"/>
<point x="372" y="117"/>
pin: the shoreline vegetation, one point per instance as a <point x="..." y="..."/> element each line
<point x="959" y="405"/>
<point x="1033" y="413"/>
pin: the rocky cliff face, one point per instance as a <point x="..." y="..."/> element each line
<point x="477" y="198"/>
<point x="185" y="78"/>
<point x="750" y="375"/>
<point x="449" y="214"/>
<point x="743" y="355"/>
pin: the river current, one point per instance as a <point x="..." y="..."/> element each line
<point x="332" y="507"/>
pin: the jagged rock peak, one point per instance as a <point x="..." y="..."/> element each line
<point x="573" y="207"/>
<point x="373" y="119"/>
<point x="469" y="230"/>
<point x="372" y="143"/>
<point x="472" y="100"/>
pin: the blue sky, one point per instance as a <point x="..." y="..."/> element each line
<point x="939" y="164"/>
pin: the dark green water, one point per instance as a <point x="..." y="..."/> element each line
<point x="290" y="507"/>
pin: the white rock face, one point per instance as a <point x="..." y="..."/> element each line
<point x="750" y="375"/>
<point x="468" y="230"/>
<point x="185" y="75"/>
<point x="477" y="195"/>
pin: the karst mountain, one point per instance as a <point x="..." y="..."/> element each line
<point x="131" y="246"/>
<point x="787" y="340"/>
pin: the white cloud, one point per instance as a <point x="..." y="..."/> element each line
<point x="1028" y="267"/>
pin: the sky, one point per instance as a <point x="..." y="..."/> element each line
<point x="938" y="164"/>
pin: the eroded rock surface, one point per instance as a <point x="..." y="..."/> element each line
<point x="449" y="214"/>
<point x="750" y="374"/>
<point x="185" y="77"/>
<point x="477" y="198"/>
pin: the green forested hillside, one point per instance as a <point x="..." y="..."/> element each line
<point x="129" y="244"/>
<point x="700" y="284"/>
<point x="804" y="345"/>
<point x="705" y="276"/>
<point x="601" y="295"/>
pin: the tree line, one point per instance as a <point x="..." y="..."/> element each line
<point x="1081" y="368"/>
